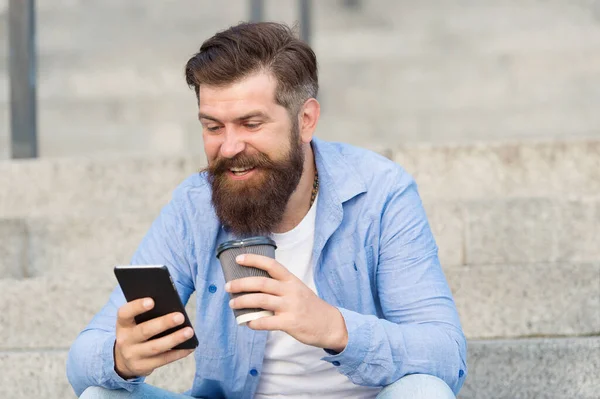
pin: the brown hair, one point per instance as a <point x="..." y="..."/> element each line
<point x="247" y="48"/>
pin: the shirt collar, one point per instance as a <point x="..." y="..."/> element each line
<point x="339" y="181"/>
<point x="335" y="173"/>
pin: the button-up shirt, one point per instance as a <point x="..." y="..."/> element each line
<point x="374" y="258"/>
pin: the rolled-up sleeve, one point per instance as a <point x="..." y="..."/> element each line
<point x="91" y="357"/>
<point x="420" y="332"/>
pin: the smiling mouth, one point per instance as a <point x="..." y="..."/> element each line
<point x="241" y="171"/>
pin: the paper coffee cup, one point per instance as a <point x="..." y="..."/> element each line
<point x="227" y="252"/>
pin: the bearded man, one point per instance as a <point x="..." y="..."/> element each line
<point x="361" y="307"/>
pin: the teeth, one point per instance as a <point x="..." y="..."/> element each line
<point x="238" y="170"/>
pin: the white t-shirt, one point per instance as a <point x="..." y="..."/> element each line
<point x="292" y="369"/>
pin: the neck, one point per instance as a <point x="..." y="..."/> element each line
<point x="299" y="202"/>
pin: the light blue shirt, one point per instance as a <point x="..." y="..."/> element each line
<point x="374" y="258"/>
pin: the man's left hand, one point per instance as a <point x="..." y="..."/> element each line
<point x="298" y="310"/>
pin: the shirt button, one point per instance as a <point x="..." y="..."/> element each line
<point x="253" y="372"/>
<point x="212" y="288"/>
<point x="335" y="363"/>
<point x="461" y="373"/>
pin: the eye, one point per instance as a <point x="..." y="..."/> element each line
<point x="252" y="126"/>
<point x="213" y="128"/>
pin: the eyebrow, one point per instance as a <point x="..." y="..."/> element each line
<point x="242" y="118"/>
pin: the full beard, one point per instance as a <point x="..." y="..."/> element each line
<point x="255" y="206"/>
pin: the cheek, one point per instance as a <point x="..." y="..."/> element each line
<point x="211" y="147"/>
<point x="273" y="145"/>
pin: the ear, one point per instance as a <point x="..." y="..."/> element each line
<point x="308" y="118"/>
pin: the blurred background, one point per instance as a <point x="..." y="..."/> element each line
<point x="492" y="106"/>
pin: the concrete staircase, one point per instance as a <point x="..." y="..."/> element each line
<point x="517" y="222"/>
<point x="516" y="226"/>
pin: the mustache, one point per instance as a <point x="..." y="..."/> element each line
<point x="222" y="165"/>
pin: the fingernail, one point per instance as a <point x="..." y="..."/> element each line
<point x="231" y="303"/>
<point x="240" y="258"/>
<point x="178" y="318"/>
<point x="227" y="287"/>
<point x="188" y="333"/>
<point x="147" y="303"/>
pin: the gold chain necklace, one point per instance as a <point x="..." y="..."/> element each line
<point x="315" y="189"/>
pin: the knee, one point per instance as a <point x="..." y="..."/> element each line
<point x="94" y="393"/>
<point x="417" y="386"/>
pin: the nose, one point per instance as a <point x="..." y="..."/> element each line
<point x="232" y="144"/>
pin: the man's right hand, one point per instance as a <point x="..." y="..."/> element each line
<point x="135" y="355"/>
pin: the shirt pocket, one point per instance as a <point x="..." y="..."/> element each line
<point x="351" y="280"/>
<point x="216" y="328"/>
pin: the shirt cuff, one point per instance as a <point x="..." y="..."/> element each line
<point x="359" y="342"/>
<point x="110" y="378"/>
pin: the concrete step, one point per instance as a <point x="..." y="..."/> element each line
<point x="525" y="169"/>
<point x="517" y="168"/>
<point x="479" y="232"/>
<point x="507" y="369"/>
<point x="536" y="368"/>
<point x="522" y="230"/>
<point x="55" y="309"/>
<point x="120" y="126"/>
<point x="114" y="140"/>
<point x="95" y="128"/>
<point x="30" y="374"/>
<point x="508" y="301"/>
<point x="77" y="186"/>
<point x="68" y="262"/>
<point x="527" y="300"/>
<point x="407" y="83"/>
<point x="396" y="83"/>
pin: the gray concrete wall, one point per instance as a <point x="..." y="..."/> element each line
<point x="524" y="369"/>
<point x="392" y="71"/>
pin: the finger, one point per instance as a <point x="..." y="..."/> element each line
<point x="255" y="284"/>
<point x="261" y="301"/>
<point x="126" y="314"/>
<point x="150" y="328"/>
<point x="270" y="265"/>
<point x="269" y="323"/>
<point x="158" y="346"/>
<point x="157" y="361"/>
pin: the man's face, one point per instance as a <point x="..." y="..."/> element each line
<point x="254" y="153"/>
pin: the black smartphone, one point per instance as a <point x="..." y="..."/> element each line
<point x="154" y="281"/>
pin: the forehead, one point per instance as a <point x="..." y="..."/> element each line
<point x="253" y="93"/>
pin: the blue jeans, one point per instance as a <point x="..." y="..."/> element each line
<point x="414" y="386"/>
